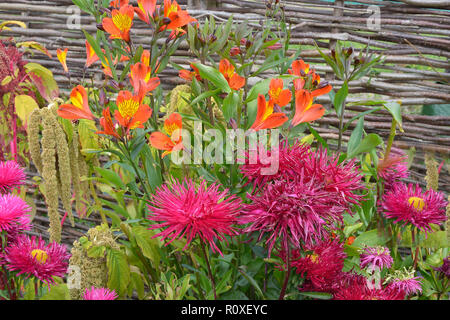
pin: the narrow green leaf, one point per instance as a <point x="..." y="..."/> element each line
<point x="213" y="75"/>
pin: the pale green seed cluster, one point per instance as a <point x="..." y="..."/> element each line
<point x="432" y="177"/>
<point x="60" y="163"/>
<point x="93" y="271"/>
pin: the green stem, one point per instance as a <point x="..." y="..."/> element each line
<point x="390" y="139"/>
<point x="213" y="283"/>
<point x="341" y="125"/>
<point x="288" y="272"/>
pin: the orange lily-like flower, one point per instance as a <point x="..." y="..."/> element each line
<point x="91" y="56"/>
<point x="118" y="3"/>
<point x="278" y="94"/>
<point x="320" y="88"/>
<point x="140" y="79"/>
<point x="131" y="113"/>
<point x="178" y="17"/>
<point x="120" y="24"/>
<point x="145" y="9"/>
<point x="299" y="68"/>
<point x="265" y="117"/>
<point x="62" y="56"/>
<point x="79" y="109"/>
<point x="190" y="74"/>
<point x="172" y="141"/>
<point x="305" y="110"/>
<point x="107" y="124"/>
<point x="234" y="80"/>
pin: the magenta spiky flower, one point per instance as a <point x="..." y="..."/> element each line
<point x="187" y="211"/>
<point x="393" y="169"/>
<point x="11" y="176"/>
<point x="404" y="281"/>
<point x="444" y="268"/>
<point x="409" y="205"/>
<point x="291" y="158"/>
<point x="293" y="211"/>
<point x="99" y="294"/>
<point x="376" y="258"/>
<point x="33" y="258"/>
<point x="13" y="213"/>
<point x="340" y="180"/>
<point x="322" y="266"/>
<point x="356" y="287"/>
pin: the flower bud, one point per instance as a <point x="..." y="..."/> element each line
<point x="234" y="51"/>
<point x="166" y="20"/>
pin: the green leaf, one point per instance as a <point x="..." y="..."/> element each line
<point x="356" y="136"/>
<point x="30" y="292"/>
<point x="118" y="271"/>
<point x="394" y="109"/>
<point x="111" y="177"/>
<point x="148" y="245"/>
<point x="96" y="251"/>
<point x="138" y="284"/>
<point x="367" y="144"/>
<point x="349" y="230"/>
<point x="229" y="105"/>
<point x="340" y="97"/>
<point x="24" y="105"/>
<point x="253" y="283"/>
<point x="213" y="75"/>
<point x="57" y="292"/>
<point x="369" y="238"/>
<point x="205" y="95"/>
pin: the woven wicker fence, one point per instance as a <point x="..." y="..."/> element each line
<point x="413" y="36"/>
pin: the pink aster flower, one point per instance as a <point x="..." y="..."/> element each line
<point x="404" y="281"/>
<point x="99" y="294"/>
<point x="340" y="180"/>
<point x="11" y="175"/>
<point x="187" y="211"/>
<point x="13" y="213"/>
<point x="291" y="158"/>
<point x="393" y="169"/>
<point x="322" y="267"/>
<point x="409" y="205"/>
<point x="444" y="268"/>
<point x="354" y="287"/>
<point x="376" y="257"/>
<point x="293" y="211"/>
<point x="33" y="258"/>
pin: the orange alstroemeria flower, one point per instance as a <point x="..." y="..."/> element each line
<point x="172" y="141"/>
<point x="278" y="94"/>
<point x="130" y="113"/>
<point x="305" y="110"/>
<point x="79" y="109"/>
<point x="107" y="124"/>
<point x="190" y="74"/>
<point x="178" y="17"/>
<point x="62" y="56"/>
<point x="91" y="56"/>
<point x="234" y="80"/>
<point x="118" y="3"/>
<point x="265" y="117"/>
<point x="299" y="68"/>
<point x="320" y="88"/>
<point x="120" y="24"/>
<point x="145" y="10"/>
<point x="140" y="79"/>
